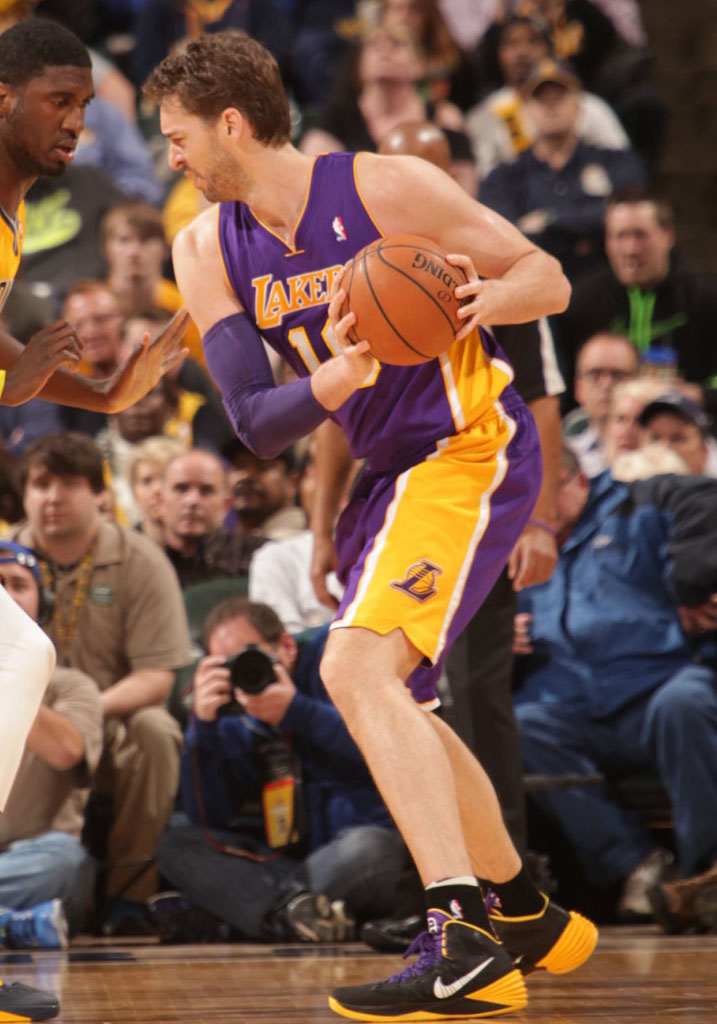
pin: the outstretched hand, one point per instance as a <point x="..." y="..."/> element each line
<point x="54" y="346"/>
<point x="150" y="359"/>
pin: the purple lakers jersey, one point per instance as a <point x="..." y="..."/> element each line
<point x="401" y="412"/>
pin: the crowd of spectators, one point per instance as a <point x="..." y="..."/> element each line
<point x="121" y="530"/>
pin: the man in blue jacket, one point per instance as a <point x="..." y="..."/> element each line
<point x="289" y="838"/>
<point x="613" y="683"/>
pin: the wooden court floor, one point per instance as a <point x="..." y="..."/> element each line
<point x="636" y="976"/>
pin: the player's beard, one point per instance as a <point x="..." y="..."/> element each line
<point x="224" y="181"/>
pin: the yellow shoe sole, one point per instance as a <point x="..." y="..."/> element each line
<point x="573" y="948"/>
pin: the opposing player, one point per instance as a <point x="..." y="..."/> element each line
<point x="45" y="85"/>
<point x="452" y="473"/>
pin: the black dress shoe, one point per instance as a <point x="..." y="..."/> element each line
<point x="392" y="935"/>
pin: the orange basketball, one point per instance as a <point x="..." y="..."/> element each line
<point x="402" y="292"/>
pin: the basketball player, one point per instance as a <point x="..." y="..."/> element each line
<point x="452" y="472"/>
<point x="45" y="85"/>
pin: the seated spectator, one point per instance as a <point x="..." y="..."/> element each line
<point x="134" y="247"/>
<point x="119" y="617"/>
<point x="499" y="127"/>
<point x="199" y="418"/>
<point x="378" y="89"/>
<point x="612" y="683"/>
<point x="583" y="35"/>
<point x="45" y="872"/>
<point x="555" y="190"/>
<point x="448" y="74"/>
<point x="124" y="432"/>
<point x="20" y="425"/>
<point x="92" y="309"/>
<point x="263" y="493"/>
<point x="304" y="876"/>
<point x="418" y="138"/>
<point x="603" y="361"/>
<point x="647" y="293"/>
<point x="145" y="468"/>
<point x="674" y="420"/>
<point x="115" y="145"/>
<point x="280" y="571"/>
<point x="195" y="500"/>
<point x="623" y="432"/>
<point x="63" y="217"/>
<point x="578" y="33"/>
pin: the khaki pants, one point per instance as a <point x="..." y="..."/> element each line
<point x="139" y="769"/>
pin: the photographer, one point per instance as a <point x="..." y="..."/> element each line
<point x="286" y="824"/>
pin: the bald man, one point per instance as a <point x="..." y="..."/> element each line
<point x="419" y="138"/>
<point x="425" y="139"/>
<point x="195" y="500"/>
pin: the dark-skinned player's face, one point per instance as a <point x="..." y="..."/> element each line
<point x="41" y="121"/>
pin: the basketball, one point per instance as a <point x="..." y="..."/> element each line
<point x="402" y="292"/>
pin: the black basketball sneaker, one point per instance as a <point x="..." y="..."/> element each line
<point x="461" y="972"/>
<point x="554" y="939"/>
<point x="20" y="1002"/>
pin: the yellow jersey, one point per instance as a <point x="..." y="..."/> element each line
<point x="12" y="233"/>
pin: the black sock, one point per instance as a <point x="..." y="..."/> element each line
<point x="519" y="896"/>
<point x="460" y="900"/>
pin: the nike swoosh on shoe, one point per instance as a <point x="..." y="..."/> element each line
<point x="442" y="991"/>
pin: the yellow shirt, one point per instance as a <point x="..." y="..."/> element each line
<point x="12" y="233"/>
<point x="167" y="296"/>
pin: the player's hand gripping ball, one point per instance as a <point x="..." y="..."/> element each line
<point x="402" y="291"/>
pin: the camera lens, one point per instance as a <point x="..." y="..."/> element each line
<point x="252" y="670"/>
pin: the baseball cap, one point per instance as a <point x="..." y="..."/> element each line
<point x="550" y="70"/>
<point x="680" y="405"/>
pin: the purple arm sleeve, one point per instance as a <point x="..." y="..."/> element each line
<point x="267" y="418"/>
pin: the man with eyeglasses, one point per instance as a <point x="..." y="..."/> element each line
<point x="603" y="361"/>
<point x="93" y="310"/>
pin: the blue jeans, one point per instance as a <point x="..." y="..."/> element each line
<point x="364" y="865"/>
<point x="671" y="731"/>
<point x="51" y="866"/>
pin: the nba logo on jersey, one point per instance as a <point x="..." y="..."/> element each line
<point x="420" y="581"/>
<point x="339" y="230"/>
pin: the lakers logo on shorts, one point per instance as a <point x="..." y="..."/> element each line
<point x="420" y="581"/>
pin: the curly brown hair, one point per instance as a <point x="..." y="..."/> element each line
<point x="221" y="70"/>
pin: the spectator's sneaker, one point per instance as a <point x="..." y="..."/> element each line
<point x="461" y="972"/>
<point x="554" y="939"/>
<point x="20" y="1002"/>
<point x="689" y="904"/>
<point x="126" y="918"/>
<point x="176" y="919"/>
<point x="312" y="917"/>
<point x="634" y="904"/>
<point x="392" y="935"/>
<point x="43" y="926"/>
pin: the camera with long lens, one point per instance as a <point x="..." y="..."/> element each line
<point x="251" y="670"/>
